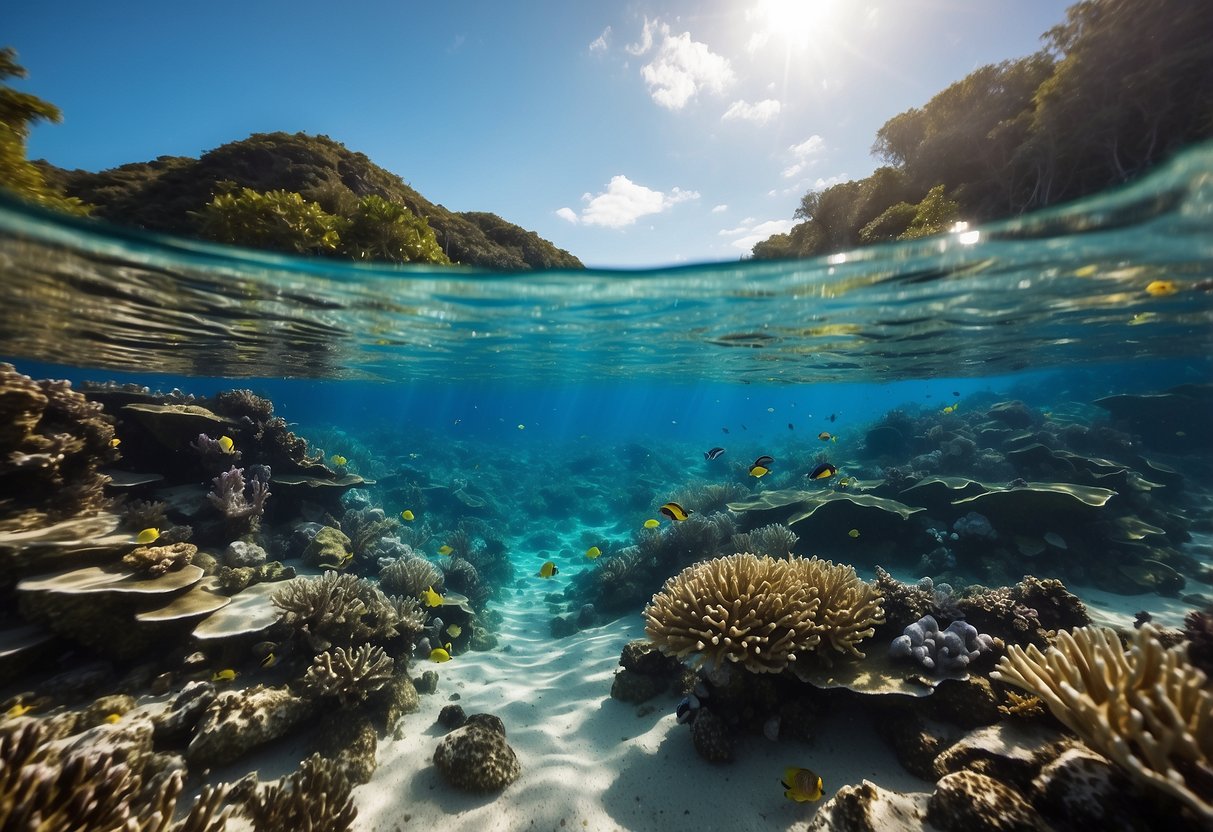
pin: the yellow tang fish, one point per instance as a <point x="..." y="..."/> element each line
<point x="226" y="443"/>
<point x="18" y="710"/>
<point x="148" y="536"/>
<point x="407" y="515"/>
<point x="454" y="631"/>
<point x="548" y="570"/>
<point x="112" y="718"/>
<point x="951" y="408"/>
<point x="675" y="511"/>
<point x="444" y="549"/>
<point x="802" y="785"/>
<point x="593" y="552"/>
<point x="115" y="442"/>
<point x="441" y="654"/>
<point x="1161" y="288"/>
<point x="853" y="533"/>
<point x="431" y="598"/>
<point x="759" y="471"/>
<point x="225" y="675"/>
<point x="338" y="459"/>
<point x="651" y="523"/>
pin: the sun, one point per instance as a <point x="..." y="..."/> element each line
<point x="794" y="21"/>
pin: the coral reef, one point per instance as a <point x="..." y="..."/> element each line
<point x="943" y="651"/>
<point x="710" y="497"/>
<point x="240" y="500"/>
<point x="236" y="721"/>
<point x="476" y="757"/>
<point x="349" y="676"/>
<point x="410" y="576"/>
<point x="1198" y="630"/>
<point x="460" y="575"/>
<point x="775" y="540"/>
<point x="1145" y="708"/>
<point x="329" y="548"/>
<point x="337" y="609"/>
<point x="156" y="560"/>
<point x="144" y="514"/>
<point x="850" y="607"/>
<point x="315" y="796"/>
<point x="365" y="528"/>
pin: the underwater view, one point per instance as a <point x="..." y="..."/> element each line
<point x="326" y="507"/>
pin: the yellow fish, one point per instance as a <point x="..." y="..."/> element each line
<point x="844" y="483"/>
<point x="226" y="443"/>
<point x="853" y="533"/>
<point x="675" y="512"/>
<point x="454" y="631"/>
<point x="338" y="459"/>
<point x="441" y="654"/>
<point x="951" y="408"/>
<point x="225" y="675"/>
<point x="431" y="598"/>
<point x="802" y="785"/>
<point x="759" y="471"/>
<point x="269" y="661"/>
<point x="593" y="552"/>
<point x="444" y="549"/>
<point x="548" y="570"/>
<point x="147" y="536"/>
<point x="18" y="710"/>
<point x="1161" y="288"/>
<point x="522" y="427"/>
<point x="407" y="516"/>
<point x="115" y="442"/>
<point x="651" y="523"/>
<point x="112" y="718"/>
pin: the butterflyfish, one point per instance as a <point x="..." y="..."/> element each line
<point x="826" y="436"/>
<point x="651" y="523"/>
<point x="823" y="472"/>
<point x="548" y="570"/>
<point x="147" y="536"/>
<point x="112" y="718"/>
<point x="853" y="533"/>
<point x="431" y="598"/>
<point x="225" y="675"/>
<point x="759" y="471"/>
<point x="444" y="549"/>
<point x="226" y="443"/>
<point x="115" y="442"/>
<point x="454" y="631"/>
<point x="675" y="512"/>
<point x="764" y="461"/>
<point x="593" y="552"/>
<point x="407" y="516"/>
<point x="802" y="785"/>
<point x="338" y="459"/>
<point x="441" y="654"/>
<point x="18" y="710"/>
<point x="1161" y="288"/>
<point x="713" y="453"/>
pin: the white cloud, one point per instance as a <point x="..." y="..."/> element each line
<point x="602" y="42"/>
<point x="803" y="155"/>
<point x="821" y="184"/>
<point x="719" y="209"/>
<point x="759" y="113"/>
<point x="681" y="67"/>
<point x="751" y="232"/>
<point x="623" y="202"/>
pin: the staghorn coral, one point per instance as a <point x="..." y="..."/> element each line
<point x="776" y="540"/>
<point x="350" y="676"/>
<point x="1145" y="708"/>
<point x="410" y="616"/>
<point x="365" y="528"/>
<point x="314" y="797"/>
<point x="238" y="499"/>
<point x="156" y="560"/>
<point x="410" y="576"/>
<point x="144" y="514"/>
<point x="850" y="607"/>
<point x="337" y="608"/>
<point x="741" y="608"/>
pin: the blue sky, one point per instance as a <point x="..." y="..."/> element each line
<point x="631" y="134"/>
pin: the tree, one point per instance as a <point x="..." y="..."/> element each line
<point x="382" y="230"/>
<point x="278" y="220"/>
<point x="934" y="215"/>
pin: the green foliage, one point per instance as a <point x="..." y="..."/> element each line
<point x="18" y="111"/>
<point x="1121" y="85"/>
<point x="277" y="220"/>
<point x="382" y="230"/>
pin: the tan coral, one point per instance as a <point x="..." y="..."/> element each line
<point x="850" y="607"/>
<point x="1145" y="708"/>
<point x="741" y="608"/>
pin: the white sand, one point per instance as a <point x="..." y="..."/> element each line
<point x="590" y="762"/>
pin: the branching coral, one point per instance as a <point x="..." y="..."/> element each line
<point x="349" y="675"/>
<point x="238" y="499"/>
<point x="461" y="576"/>
<point x="315" y="797"/>
<point x="410" y="576"/>
<point x="850" y="607"/>
<point x="366" y="527"/>
<point x="410" y="617"/>
<point x="775" y="540"/>
<point x="144" y="514"/>
<point x="1145" y="708"/>
<point x="1198" y="629"/>
<point x="709" y="498"/>
<point x="337" y="608"/>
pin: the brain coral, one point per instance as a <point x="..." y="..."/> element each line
<point x="850" y="607"/>
<point x="1145" y="708"/>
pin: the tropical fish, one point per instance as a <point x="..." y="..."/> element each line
<point x="225" y="675"/>
<point x="444" y="549"/>
<point x="1161" y="288"/>
<point x="407" y="516"/>
<point x="833" y="416"/>
<point x="521" y="427"/>
<point x="454" y="631"/>
<point x="853" y="533"/>
<point x="724" y="430"/>
<point x="18" y="710"/>
<point x="651" y="523"/>
<point x="844" y="483"/>
<point x="713" y="453"/>
<point x="115" y="442"/>
<point x="823" y="472"/>
<point x="338" y="459"/>
<point x="548" y="569"/>
<point x="955" y="394"/>
<point x="441" y="654"/>
<point x="226" y="443"/>
<point x="593" y="552"/>
<point x="112" y="718"/>
<point x="764" y="461"/>
<point x="826" y="436"/>
<point x="270" y="660"/>
<point x="951" y="408"/>
<point x="759" y="471"/>
<point x="675" y="512"/>
<point x="791" y="426"/>
<point x="431" y="598"/>
<point x="147" y="536"/>
<point x="802" y="785"/>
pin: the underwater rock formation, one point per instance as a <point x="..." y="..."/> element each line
<point x="970" y="800"/>
<point x="476" y="757"/>
<point x="942" y="651"/>
<point x="237" y="721"/>
<point x="329" y="548"/>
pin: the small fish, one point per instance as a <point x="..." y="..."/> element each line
<point x="454" y="631"/>
<point x="593" y="552"/>
<point x="148" y="536"/>
<point x="764" y="461"/>
<point x="548" y="569"/>
<point x="759" y="471"/>
<point x="951" y="408"/>
<point x="521" y="427"/>
<point x="444" y="549"/>
<point x="18" y="710"/>
<point x="826" y="436"/>
<point x="675" y="512"/>
<point x="407" y="516"/>
<point x="112" y="718"/>
<point x="823" y="472"/>
<point x="743" y="427"/>
<point x="853" y="533"/>
<point x="844" y="483"/>
<point x="770" y="410"/>
<point x="651" y="523"/>
<point x="955" y="394"/>
<point x="791" y="426"/>
<point x="269" y="661"/>
<point x="724" y="430"/>
<point x="685" y="711"/>
<point x="431" y="598"/>
<point x="1161" y="288"/>
<point x="441" y="654"/>
<point x="802" y="785"/>
<point x="833" y="416"/>
<point x="225" y="675"/>
<point x="115" y="442"/>
<point x="338" y="459"/>
<point x="714" y="453"/>
<point x="226" y="443"/>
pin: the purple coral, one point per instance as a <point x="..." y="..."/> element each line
<point x="947" y="651"/>
<point x="235" y="498"/>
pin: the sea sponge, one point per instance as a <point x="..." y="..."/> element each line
<point x="337" y="609"/>
<point x="850" y="607"/>
<point x="349" y="676"/>
<point x="742" y="608"/>
<point x="1145" y="708"/>
<point x="410" y="576"/>
<point x="316" y="796"/>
